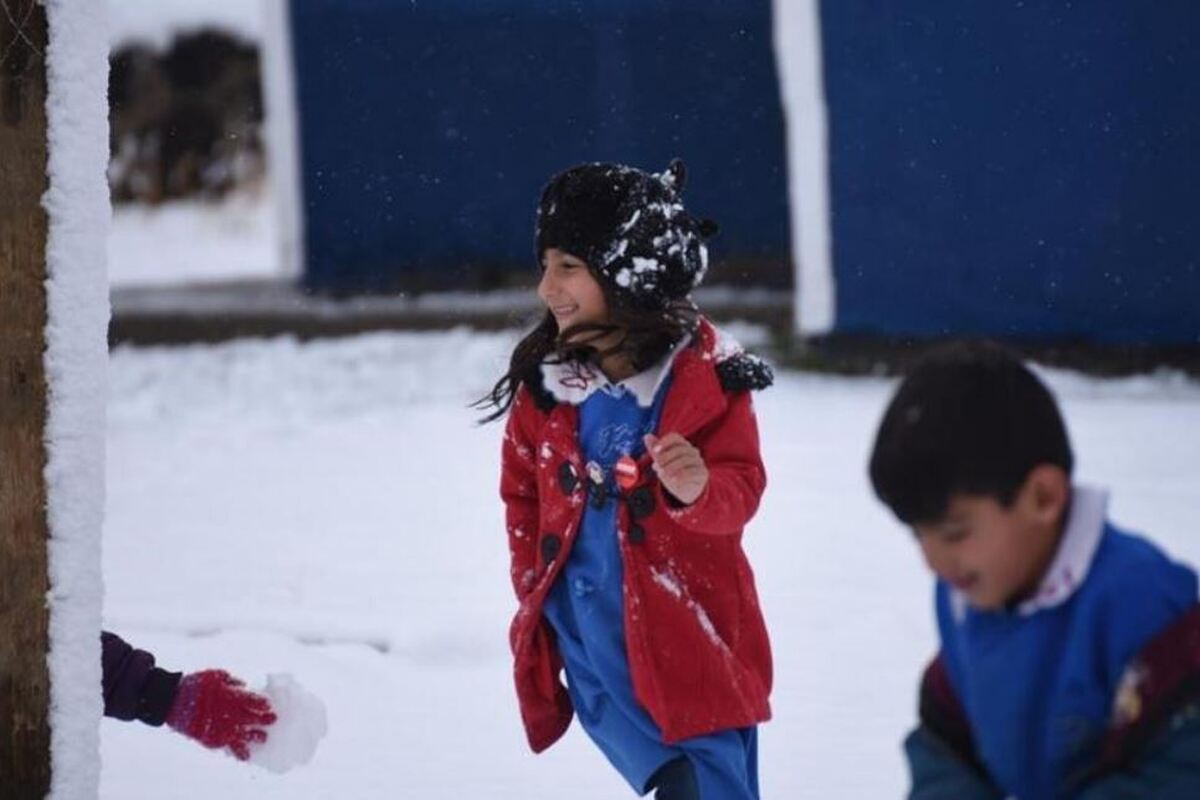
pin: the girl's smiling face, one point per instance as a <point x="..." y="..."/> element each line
<point x="569" y="291"/>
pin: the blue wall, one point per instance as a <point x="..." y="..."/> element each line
<point x="1026" y="169"/>
<point x="429" y="127"/>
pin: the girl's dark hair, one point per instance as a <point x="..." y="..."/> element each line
<point x="971" y="419"/>
<point x="648" y="337"/>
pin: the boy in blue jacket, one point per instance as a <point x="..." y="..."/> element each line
<point x="1070" y="649"/>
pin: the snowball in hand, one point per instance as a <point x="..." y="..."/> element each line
<point x="300" y="725"/>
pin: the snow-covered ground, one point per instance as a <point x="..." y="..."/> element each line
<point x="330" y="510"/>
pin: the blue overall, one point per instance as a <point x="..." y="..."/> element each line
<point x="585" y="608"/>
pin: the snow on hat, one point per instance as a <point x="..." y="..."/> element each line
<point x="630" y="227"/>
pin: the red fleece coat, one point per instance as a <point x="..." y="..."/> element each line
<point x="694" y="633"/>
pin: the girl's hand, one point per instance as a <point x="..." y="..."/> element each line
<point x="679" y="466"/>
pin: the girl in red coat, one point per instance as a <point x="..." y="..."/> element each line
<point x="630" y="467"/>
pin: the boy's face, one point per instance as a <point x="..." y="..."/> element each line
<point x="996" y="555"/>
<point x="569" y="291"/>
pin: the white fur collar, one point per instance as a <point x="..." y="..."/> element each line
<point x="1072" y="560"/>
<point x="1085" y="525"/>
<point x="573" y="382"/>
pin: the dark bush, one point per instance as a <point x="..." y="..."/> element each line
<point x="186" y="122"/>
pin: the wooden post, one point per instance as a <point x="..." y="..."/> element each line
<point x="24" y="581"/>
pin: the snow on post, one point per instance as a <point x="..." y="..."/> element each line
<point x="76" y="360"/>
<point x="54" y="312"/>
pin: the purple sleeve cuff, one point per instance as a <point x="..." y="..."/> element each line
<point x="133" y="687"/>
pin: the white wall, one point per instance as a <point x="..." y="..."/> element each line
<point x="798" y="56"/>
<point x="283" y="135"/>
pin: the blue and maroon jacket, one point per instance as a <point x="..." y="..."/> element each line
<point x="1089" y="688"/>
<point x="1150" y="750"/>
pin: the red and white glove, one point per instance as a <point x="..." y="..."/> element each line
<point x="217" y="710"/>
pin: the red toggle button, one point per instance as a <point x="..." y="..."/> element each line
<point x="626" y="472"/>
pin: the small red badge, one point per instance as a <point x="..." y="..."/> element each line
<point x="626" y="472"/>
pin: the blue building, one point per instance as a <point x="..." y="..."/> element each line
<point x="1022" y="170"/>
<point x="426" y="129"/>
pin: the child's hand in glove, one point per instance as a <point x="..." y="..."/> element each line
<point x="217" y="710"/>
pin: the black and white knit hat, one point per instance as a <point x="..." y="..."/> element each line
<point x="630" y="227"/>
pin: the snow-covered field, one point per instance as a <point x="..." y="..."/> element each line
<point x="329" y="510"/>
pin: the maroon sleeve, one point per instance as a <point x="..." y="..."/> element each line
<point x="943" y="715"/>
<point x="1161" y="679"/>
<point x="133" y="687"/>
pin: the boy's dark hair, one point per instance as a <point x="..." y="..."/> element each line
<point x="969" y="418"/>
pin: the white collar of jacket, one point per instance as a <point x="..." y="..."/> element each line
<point x="1072" y="560"/>
<point x="573" y="382"/>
